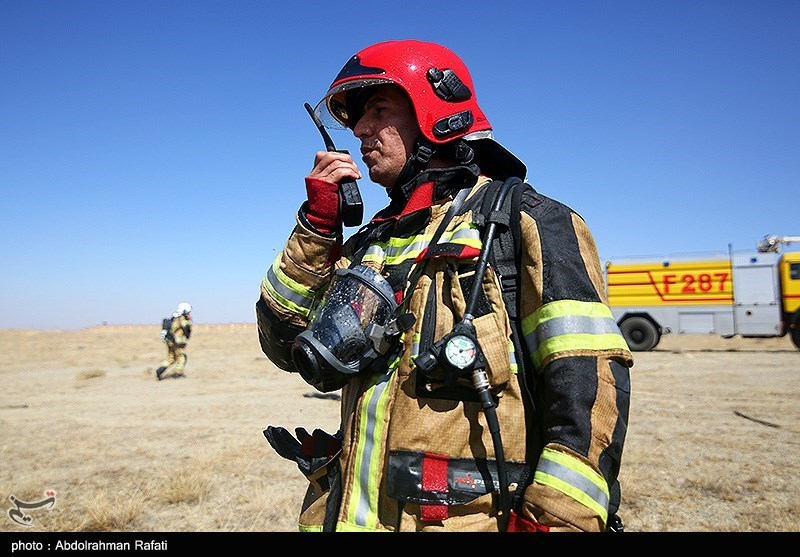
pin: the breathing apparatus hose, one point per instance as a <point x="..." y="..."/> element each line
<point x="479" y="378"/>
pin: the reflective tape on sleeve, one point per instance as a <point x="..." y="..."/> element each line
<point x="571" y="325"/>
<point x="574" y="479"/>
<point x="288" y="293"/>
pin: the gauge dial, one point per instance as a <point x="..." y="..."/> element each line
<point x="460" y="351"/>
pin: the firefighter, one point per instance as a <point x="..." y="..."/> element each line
<point x="176" y="339"/>
<point x="417" y="448"/>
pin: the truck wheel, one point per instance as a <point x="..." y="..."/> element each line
<point x="796" y="337"/>
<point x="640" y="334"/>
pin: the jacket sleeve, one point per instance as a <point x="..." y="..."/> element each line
<point x="292" y="283"/>
<point x="581" y="366"/>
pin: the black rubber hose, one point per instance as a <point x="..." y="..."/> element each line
<point x="479" y="378"/>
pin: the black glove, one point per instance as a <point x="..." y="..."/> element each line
<point x="310" y="451"/>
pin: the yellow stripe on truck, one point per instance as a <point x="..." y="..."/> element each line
<point x="688" y="283"/>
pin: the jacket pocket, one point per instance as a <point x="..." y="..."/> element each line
<point x="444" y="305"/>
<point x="490" y="321"/>
<point x="439" y="482"/>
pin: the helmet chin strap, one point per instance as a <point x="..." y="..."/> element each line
<point x="416" y="163"/>
<point x="424" y="150"/>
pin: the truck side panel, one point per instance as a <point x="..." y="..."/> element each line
<point x="790" y="281"/>
<point x="683" y="319"/>
<point x="754" y="294"/>
<point x="681" y="296"/>
<point x="670" y="283"/>
<point x="757" y="299"/>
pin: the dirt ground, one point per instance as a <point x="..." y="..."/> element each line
<point x="91" y="437"/>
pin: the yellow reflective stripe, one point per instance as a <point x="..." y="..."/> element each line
<point x="284" y="301"/>
<point x="402" y="249"/>
<point x="289" y="282"/>
<point x="571" y="325"/>
<point x="375" y="253"/>
<point x="397" y="243"/>
<point x="466" y="234"/>
<point x="512" y="357"/>
<point x="577" y="342"/>
<point x="362" y="510"/>
<point x="398" y="250"/>
<point x="305" y="528"/>
<point x="286" y="291"/>
<point x="575" y="479"/>
<point x="563" y="308"/>
<point x="348" y="527"/>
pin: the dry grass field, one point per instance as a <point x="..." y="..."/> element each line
<point x="713" y="442"/>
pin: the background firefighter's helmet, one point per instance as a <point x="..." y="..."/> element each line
<point x="441" y="91"/>
<point x="184" y="308"/>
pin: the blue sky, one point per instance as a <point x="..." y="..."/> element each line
<point x="153" y="152"/>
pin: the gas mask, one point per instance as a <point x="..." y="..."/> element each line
<point x="350" y="331"/>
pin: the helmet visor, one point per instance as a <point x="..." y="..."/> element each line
<point x="335" y="110"/>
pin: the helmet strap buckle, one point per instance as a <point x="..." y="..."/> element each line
<point x="423" y="152"/>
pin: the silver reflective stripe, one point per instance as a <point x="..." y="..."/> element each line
<point x="374" y="253"/>
<point x="512" y="357"/>
<point x="287" y="293"/>
<point x="398" y="250"/>
<point x="576" y="480"/>
<point x="570" y="325"/>
<point x="466" y="233"/>
<point x="397" y="254"/>
<point x="372" y="430"/>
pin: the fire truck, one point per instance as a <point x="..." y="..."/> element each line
<point x="745" y="293"/>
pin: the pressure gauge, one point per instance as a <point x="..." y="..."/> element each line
<point x="460" y="351"/>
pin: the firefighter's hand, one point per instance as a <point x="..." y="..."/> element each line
<point x="334" y="167"/>
<point x="322" y="191"/>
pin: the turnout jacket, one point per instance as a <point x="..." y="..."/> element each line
<point x="179" y="331"/>
<point x="419" y="456"/>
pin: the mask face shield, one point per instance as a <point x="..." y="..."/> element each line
<point x="345" y="334"/>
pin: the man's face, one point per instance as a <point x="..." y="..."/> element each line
<point x="387" y="131"/>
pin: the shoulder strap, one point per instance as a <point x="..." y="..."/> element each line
<point x="504" y="257"/>
<point x="505" y="250"/>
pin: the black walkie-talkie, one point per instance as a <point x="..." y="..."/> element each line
<point x="350" y="206"/>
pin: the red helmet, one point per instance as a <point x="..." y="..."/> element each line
<point x="434" y="78"/>
<point x="440" y="89"/>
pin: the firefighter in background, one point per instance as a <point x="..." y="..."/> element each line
<point x="176" y="339"/>
<point x="415" y="451"/>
